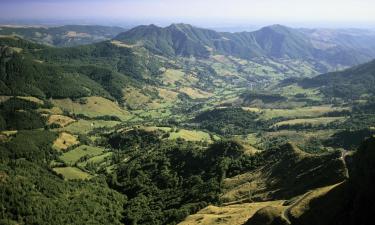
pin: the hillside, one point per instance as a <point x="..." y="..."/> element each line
<point x="352" y="83"/>
<point x="288" y="172"/>
<point x="63" y="36"/>
<point x="350" y="202"/>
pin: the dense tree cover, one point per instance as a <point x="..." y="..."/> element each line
<point x="177" y="39"/>
<point x="229" y="121"/>
<point x="101" y="69"/>
<point x="21" y="75"/>
<point x="165" y="181"/>
<point x="112" y="82"/>
<point x="349" y="139"/>
<point x="18" y="114"/>
<point x="30" y="193"/>
<point x="104" y="54"/>
<point x="266" y="98"/>
<point x="361" y="208"/>
<point x="34" y="146"/>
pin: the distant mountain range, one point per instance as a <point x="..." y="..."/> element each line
<point x="325" y="49"/>
<point x="64" y="36"/>
<point x="334" y="47"/>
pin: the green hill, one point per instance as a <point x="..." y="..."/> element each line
<point x="42" y="71"/>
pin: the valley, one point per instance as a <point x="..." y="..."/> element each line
<point x="185" y="125"/>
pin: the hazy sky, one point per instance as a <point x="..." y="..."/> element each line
<point x="200" y="11"/>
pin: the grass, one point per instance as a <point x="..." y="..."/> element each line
<point x="53" y="111"/>
<point x="4" y="98"/>
<point x="61" y="120"/>
<point x="135" y="98"/>
<point x="122" y="44"/>
<point x="72" y="173"/>
<point x="195" y="93"/>
<point x="188" y="135"/>
<point x="93" y="107"/>
<point x="300" y="137"/>
<point x="251" y="109"/>
<point x="294" y="172"/>
<point x="292" y="90"/>
<point x="9" y="132"/>
<point x="312" y="121"/>
<point x="312" y="111"/>
<point x="236" y="214"/>
<point x="64" y="141"/>
<point x="98" y="159"/>
<point x="74" y="155"/>
<point x="31" y="99"/>
<point x="167" y="95"/>
<point x="171" y="76"/>
<point x="303" y="206"/>
<point x="85" y="126"/>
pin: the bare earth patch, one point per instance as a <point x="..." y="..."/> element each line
<point x="64" y="141"/>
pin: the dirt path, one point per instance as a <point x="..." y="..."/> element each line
<point x="342" y="158"/>
<point x="286" y="214"/>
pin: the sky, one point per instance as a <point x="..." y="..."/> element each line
<point x="349" y="13"/>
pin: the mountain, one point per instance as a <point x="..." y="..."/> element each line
<point x="274" y="41"/>
<point x="64" y="36"/>
<point x="176" y="39"/>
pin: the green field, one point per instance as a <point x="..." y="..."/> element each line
<point x="74" y="155"/>
<point x="93" y="107"/>
<point x="312" y="121"/>
<point x="311" y="111"/>
<point x="85" y="126"/>
<point x="72" y="173"/>
<point x="188" y="135"/>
